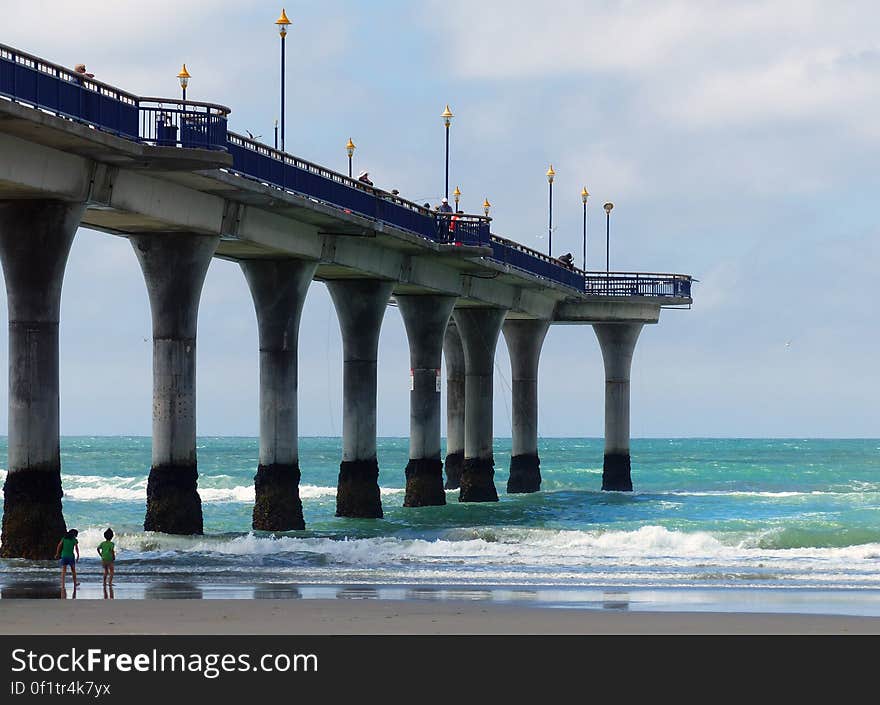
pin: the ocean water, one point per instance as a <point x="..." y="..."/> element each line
<point x="737" y="515"/>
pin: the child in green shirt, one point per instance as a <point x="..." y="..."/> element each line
<point x="68" y="551"/>
<point x="107" y="551"/>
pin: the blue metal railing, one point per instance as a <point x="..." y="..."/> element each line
<point x="637" y="284"/>
<point x="275" y="168"/>
<point x="57" y="90"/>
<point x="192" y="125"/>
<point x="462" y="229"/>
<point x="188" y="124"/>
<point x="532" y="261"/>
<point x="31" y="80"/>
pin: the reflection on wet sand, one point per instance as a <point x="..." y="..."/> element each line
<point x="108" y="592"/>
<point x="424" y="593"/>
<point x="277" y="592"/>
<point x="464" y="594"/>
<point x="173" y="591"/>
<point x="524" y="595"/>
<point x="615" y="601"/>
<point x="31" y="590"/>
<point x="356" y="592"/>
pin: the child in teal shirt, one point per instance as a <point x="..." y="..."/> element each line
<point x="107" y="551"/>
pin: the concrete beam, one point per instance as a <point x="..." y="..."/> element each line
<point x="29" y="170"/>
<point x="279" y="289"/>
<point x="479" y="329"/>
<point x="618" y="341"/>
<point x="275" y="232"/>
<point x="174" y="267"/>
<point x="580" y="312"/>
<point x="169" y="189"/>
<point x="360" y="306"/>
<point x="524" y="340"/>
<point x="160" y="200"/>
<point x="425" y="319"/>
<point x="35" y="240"/>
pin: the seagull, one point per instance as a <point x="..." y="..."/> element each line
<point x="251" y="135"/>
<point x="787" y="343"/>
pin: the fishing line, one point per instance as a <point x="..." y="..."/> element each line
<point x="503" y="378"/>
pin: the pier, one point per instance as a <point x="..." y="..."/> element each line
<point x="171" y="177"/>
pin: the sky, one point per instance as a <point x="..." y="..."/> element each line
<point x="739" y="142"/>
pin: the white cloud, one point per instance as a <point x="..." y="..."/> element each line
<point x="700" y="61"/>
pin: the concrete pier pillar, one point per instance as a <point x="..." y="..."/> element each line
<point x="617" y="340"/>
<point x="425" y="319"/>
<point x="479" y="329"/>
<point x="524" y="339"/>
<point x="360" y="306"/>
<point x="453" y="353"/>
<point x="35" y="239"/>
<point x="279" y="289"/>
<point x="174" y="265"/>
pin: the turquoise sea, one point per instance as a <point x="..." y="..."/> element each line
<point x="794" y="521"/>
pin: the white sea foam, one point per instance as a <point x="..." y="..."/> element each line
<point x="648" y="556"/>
<point x="126" y="489"/>
<point x="513" y="546"/>
<point x="745" y="493"/>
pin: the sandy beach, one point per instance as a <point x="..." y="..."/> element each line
<point x="317" y="616"/>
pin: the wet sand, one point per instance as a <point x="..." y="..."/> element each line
<point x="388" y="616"/>
<point x="31" y="605"/>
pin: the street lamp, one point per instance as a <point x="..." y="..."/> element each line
<point x="349" y="148"/>
<point x="184" y="77"/>
<point x="584" y="196"/>
<point x="550" y="175"/>
<point x="447" y="120"/>
<point x="282" y="23"/>
<point x="486" y="207"/>
<point x="276" y="133"/>
<point x="456" y="195"/>
<point x="608" y="206"/>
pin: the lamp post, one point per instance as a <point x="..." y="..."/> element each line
<point x="184" y="77"/>
<point x="550" y="175"/>
<point x="447" y="120"/>
<point x="349" y="148"/>
<point x="584" y="196"/>
<point x="276" y="134"/>
<point x="486" y="207"/>
<point x="282" y="23"/>
<point x="456" y="195"/>
<point x="608" y="206"/>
